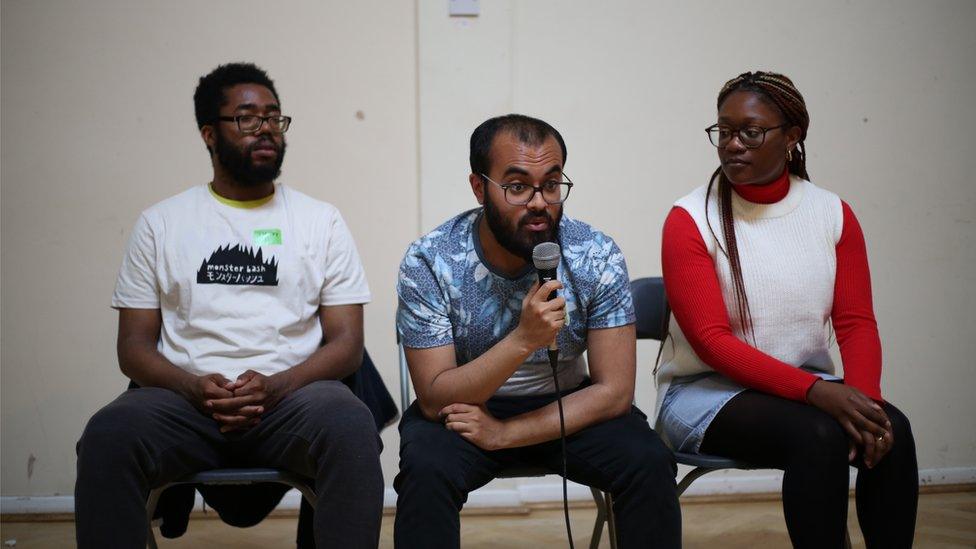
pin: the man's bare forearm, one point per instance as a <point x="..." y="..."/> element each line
<point x="338" y="358"/>
<point x="441" y="382"/>
<point x="612" y="364"/>
<point x="341" y="355"/>
<point x="139" y="356"/>
<point x="476" y="381"/>
<point x="589" y="406"/>
<point x="144" y="364"/>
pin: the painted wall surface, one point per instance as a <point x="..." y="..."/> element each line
<point x="97" y="125"/>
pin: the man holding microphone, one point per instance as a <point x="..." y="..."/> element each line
<point x="476" y="326"/>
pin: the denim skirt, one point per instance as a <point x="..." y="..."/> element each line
<point x="692" y="402"/>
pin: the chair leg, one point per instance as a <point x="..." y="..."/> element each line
<point x="692" y="477"/>
<point x="304" y="488"/>
<point x="150" y="511"/>
<point x="611" y="521"/>
<point x="601" y="517"/>
<point x="847" y="538"/>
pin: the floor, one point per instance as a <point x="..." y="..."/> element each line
<point x="944" y="520"/>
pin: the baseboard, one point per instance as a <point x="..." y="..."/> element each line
<point x="531" y="492"/>
<point x="36" y="505"/>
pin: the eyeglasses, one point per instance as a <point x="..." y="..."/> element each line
<point x="520" y="194"/>
<point x="251" y="123"/>
<point x="751" y="137"/>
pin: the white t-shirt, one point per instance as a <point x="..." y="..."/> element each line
<point x="239" y="284"/>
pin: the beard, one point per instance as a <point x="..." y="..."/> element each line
<point x="238" y="162"/>
<point x="521" y="241"/>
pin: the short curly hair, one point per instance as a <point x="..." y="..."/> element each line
<point x="209" y="95"/>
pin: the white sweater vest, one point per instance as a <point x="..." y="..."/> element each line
<point x="788" y="255"/>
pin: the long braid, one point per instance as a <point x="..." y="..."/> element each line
<point x="782" y="93"/>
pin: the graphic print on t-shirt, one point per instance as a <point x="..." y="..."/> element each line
<point x="238" y="265"/>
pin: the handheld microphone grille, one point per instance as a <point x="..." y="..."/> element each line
<point x="545" y="256"/>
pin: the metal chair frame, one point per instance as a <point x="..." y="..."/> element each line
<point x="603" y="501"/>
<point x="229" y="477"/>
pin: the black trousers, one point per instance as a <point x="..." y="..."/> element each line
<point x="623" y="456"/>
<point x="150" y="436"/>
<point x="811" y="448"/>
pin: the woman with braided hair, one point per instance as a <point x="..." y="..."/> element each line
<point x="758" y="265"/>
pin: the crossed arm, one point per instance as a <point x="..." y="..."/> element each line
<point x="238" y="404"/>
<point x="456" y="394"/>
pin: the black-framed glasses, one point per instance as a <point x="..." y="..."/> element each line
<point x="251" y="123"/>
<point x="751" y="137"/>
<point x="520" y="194"/>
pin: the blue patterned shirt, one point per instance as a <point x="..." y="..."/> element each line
<point x="448" y="294"/>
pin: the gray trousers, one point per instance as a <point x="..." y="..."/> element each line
<point x="150" y="436"/>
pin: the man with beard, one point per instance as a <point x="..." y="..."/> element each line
<point x="475" y="325"/>
<point x="224" y="294"/>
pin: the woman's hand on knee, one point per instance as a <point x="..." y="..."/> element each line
<point x="861" y="417"/>
<point x="876" y="446"/>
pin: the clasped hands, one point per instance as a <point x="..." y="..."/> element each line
<point x="236" y="405"/>
<point x="864" y="420"/>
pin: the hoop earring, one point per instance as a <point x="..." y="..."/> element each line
<point x="789" y="155"/>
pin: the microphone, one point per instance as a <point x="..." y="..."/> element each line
<point x="545" y="257"/>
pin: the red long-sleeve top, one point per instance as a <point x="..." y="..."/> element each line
<point x="699" y="308"/>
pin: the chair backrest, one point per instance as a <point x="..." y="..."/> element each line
<point x="404" y="374"/>
<point x="651" y="307"/>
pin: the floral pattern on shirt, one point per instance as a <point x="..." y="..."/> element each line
<point x="448" y="295"/>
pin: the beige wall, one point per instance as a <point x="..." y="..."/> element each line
<point x="97" y="124"/>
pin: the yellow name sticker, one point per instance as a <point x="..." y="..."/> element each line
<point x="267" y="237"/>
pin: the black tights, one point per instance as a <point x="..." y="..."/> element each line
<point x="811" y="447"/>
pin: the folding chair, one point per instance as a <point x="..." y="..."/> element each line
<point x="653" y="317"/>
<point x="603" y="501"/>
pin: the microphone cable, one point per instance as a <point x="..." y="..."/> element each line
<point x="553" y="361"/>
<point x="545" y="258"/>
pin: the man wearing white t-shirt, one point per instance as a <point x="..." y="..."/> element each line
<point x="225" y="296"/>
